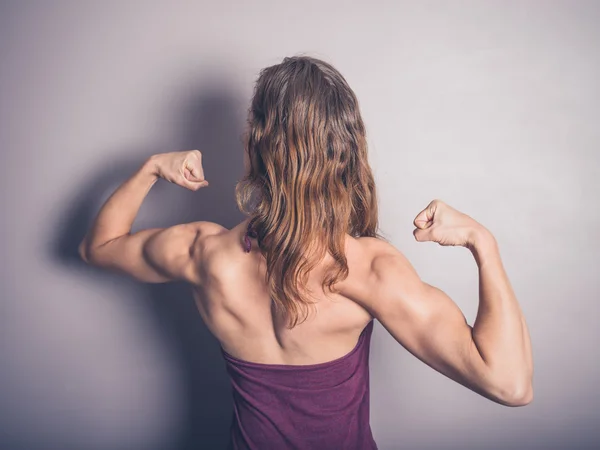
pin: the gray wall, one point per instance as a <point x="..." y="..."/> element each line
<point x="491" y="106"/>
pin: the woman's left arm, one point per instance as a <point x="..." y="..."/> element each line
<point x="155" y="255"/>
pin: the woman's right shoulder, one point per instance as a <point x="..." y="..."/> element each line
<point x="365" y="256"/>
<point x="373" y="247"/>
<point x="376" y="267"/>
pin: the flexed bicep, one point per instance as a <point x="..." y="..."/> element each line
<point x="428" y="323"/>
<point x="155" y="255"/>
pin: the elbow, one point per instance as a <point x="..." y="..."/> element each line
<point x="512" y="384"/>
<point x="519" y="395"/>
<point x="86" y="253"/>
<point x="92" y="254"/>
<point x="83" y="252"/>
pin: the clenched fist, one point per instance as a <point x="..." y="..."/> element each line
<point x="182" y="168"/>
<point x="441" y="223"/>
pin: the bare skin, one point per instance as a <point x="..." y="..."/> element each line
<point x="492" y="358"/>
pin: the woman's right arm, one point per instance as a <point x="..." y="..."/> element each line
<point x="492" y="358"/>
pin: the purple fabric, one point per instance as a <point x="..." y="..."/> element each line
<point x="310" y="407"/>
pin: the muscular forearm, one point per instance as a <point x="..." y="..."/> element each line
<point x="500" y="331"/>
<point x="118" y="213"/>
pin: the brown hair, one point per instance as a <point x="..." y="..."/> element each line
<point x="307" y="153"/>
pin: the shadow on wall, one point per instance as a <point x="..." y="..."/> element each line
<point x="209" y="122"/>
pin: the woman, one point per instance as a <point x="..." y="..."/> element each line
<point x="291" y="292"/>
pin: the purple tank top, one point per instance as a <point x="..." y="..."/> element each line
<point x="321" y="406"/>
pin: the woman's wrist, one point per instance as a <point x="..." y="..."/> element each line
<point x="482" y="244"/>
<point x="150" y="166"/>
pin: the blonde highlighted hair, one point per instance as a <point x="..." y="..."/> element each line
<point x="308" y="181"/>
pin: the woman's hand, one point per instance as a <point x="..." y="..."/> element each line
<point x="441" y="223"/>
<point x="182" y="168"/>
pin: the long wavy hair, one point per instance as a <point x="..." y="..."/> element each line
<point x="308" y="182"/>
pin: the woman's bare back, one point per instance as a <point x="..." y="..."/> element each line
<point x="493" y="357"/>
<point x="235" y="305"/>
